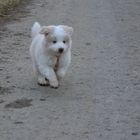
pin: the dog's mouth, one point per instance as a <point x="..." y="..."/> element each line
<point x="59" y="52"/>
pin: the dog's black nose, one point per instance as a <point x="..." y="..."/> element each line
<point x="60" y="50"/>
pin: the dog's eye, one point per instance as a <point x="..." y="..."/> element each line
<point x="64" y="41"/>
<point x="54" y="41"/>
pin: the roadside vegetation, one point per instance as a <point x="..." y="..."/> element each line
<point x="7" y="5"/>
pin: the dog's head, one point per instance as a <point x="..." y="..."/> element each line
<point x="58" y="38"/>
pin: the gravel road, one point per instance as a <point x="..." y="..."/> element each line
<point x="99" y="99"/>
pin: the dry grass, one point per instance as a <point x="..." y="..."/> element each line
<point x="7" y="5"/>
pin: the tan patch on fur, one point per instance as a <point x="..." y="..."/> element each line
<point x="46" y="30"/>
<point x="56" y="65"/>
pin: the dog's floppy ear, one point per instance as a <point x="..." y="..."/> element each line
<point x="46" y="30"/>
<point x="68" y="29"/>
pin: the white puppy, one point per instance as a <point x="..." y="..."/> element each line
<point x="50" y="52"/>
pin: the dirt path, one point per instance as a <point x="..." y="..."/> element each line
<point x="99" y="98"/>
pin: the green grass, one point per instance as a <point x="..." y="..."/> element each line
<point x="7" y="5"/>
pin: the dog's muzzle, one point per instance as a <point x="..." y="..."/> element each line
<point x="60" y="50"/>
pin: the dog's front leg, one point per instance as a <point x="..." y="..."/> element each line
<point x="50" y="75"/>
<point x="64" y="62"/>
<point x="61" y="73"/>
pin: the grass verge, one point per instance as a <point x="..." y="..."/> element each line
<point x="7" y="5"/>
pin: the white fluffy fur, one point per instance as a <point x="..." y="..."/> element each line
<point x="49" y="64"/>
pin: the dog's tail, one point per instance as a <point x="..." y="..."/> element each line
<point x="35" y="29"/>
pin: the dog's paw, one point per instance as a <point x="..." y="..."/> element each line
<point x="54" y="84"/>
<point x="42" y="81"/>
<point x="54" y="87"/>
